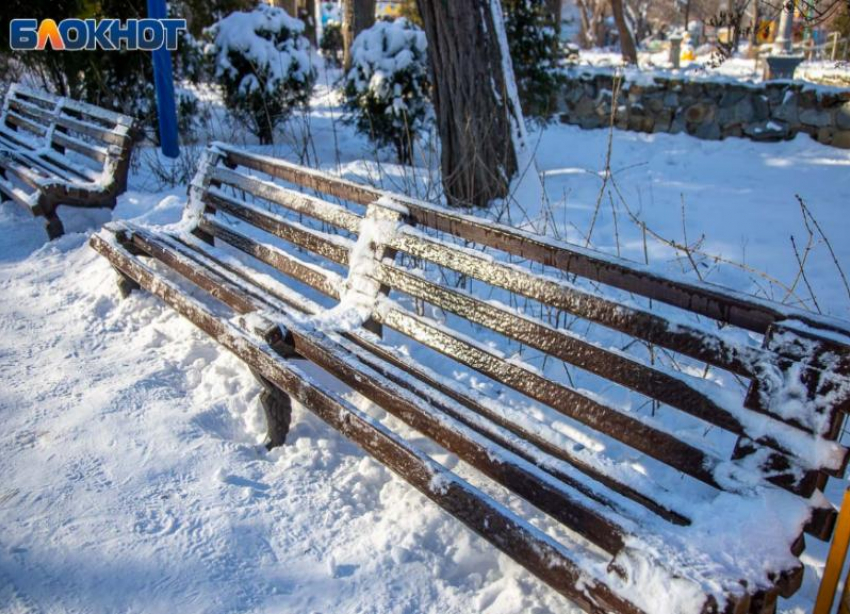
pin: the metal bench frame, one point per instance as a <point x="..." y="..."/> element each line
<point x="273" y="324"/>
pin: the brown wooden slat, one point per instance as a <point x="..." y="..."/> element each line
<point x="90" y="151"/>
<point x="301" y="236"/>
<point x="545" y="496"/>
<point x="556" y="503"/>
<point x="307" y="178"/>
<point x="572" y="403"/>
<point x="703" y="298"/>
<point x="317" y="208"/>
<point x="633" y="321"/>
<point x="25" y="174"/>
<point x="383" y="354"/>
<point x="91" y="130"/>
<point x="326" y="283"/>
<point x="94" y="112"/>
<point x="12" y="140"/>
<point x="22" y="122"/>
<point x="49" y="166"/>
<point x="523" y="543"/>
<point x="612" y="366"/>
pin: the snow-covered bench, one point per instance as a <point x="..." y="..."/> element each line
<point x="56" y="151"/>
<point x="698" y="502"/>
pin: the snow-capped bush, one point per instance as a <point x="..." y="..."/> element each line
<point x="331" y="43"/>
<point x="263" y="63"/>
<point x="387" y="88"/>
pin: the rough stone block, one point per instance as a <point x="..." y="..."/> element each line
<point x="700" y="112"/>
<point x="736" y="131"/>
<point x="816" y="117"/>
<point x="842" y="116"/>
<point x="761" y="108"/>
<point x="825" y="135"/>
<point x="767" y="131"/>
<point x="731" y="96"/>
<point x="709" y="131"/>
<point x="841" y="138"/>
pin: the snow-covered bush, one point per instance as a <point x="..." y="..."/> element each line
<point x="263" y="63"/>
<point x="331" y="43"/>
<point x="534" y="52"/>
<point x="387" y="88"/>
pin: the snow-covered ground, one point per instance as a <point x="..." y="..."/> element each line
<point x="705" y="66"/>
<point x="131" y="479"/>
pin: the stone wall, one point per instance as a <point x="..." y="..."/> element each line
<point x="707" y="109"/>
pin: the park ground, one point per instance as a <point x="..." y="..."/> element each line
<point x="131" y="475"/>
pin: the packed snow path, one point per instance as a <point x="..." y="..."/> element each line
<point x="131" y="478"/>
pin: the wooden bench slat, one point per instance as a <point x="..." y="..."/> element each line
<point x="27" y="175"/>
<point x="28" y="199"/>
<point x="23" y="122"/>
<point x="112" y="118"/>
<point x="317" y="208"/>
<point x="326" y="282"/>
<point x="705" y="298"/>
<point x="567" y="401"/>
<point x="334" y="249"/>
<point x="11" y="139"/>
<point x="99" y="154"/>
<point x="482" y="407"/>
<point x="520" y="540"/>
<point x="677" y="336"/>
<point x="40" y="161"/>
<point x="231" y="267"/>
<point x="546" y="495"/>
<point x="675" y="390"/>
<point x="94" y="131"/>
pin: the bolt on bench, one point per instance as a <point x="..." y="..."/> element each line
<point x="56" y="151"/>
<point x="699" y="505"/>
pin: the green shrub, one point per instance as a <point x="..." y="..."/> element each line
<point x="387" y="88"/>
<point x="331" y="44"/>
<point x="263" y="64"/>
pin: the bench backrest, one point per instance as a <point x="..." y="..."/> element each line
<point x="685" y="385"/>
<point x="88" y="135"/>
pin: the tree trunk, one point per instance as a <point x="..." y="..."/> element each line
<point x="627" y="41"/>
<point x="290" y="6"/>
<point x="307" y="14"/>
<point x="755" y="17"/>
<point x="472" y="101"/>
<point x="358" y="15"/>
<point x="592" y="13"/>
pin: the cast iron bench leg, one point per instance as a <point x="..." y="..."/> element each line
<point x="54" y="226"/>
<point x="278" y="409"/>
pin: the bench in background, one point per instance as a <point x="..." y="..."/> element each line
<point x="605" y="501"/>
<point x="56" y="151"/>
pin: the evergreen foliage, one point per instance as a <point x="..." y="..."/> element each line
<point x="331" y="44"/>
<point x="387" y="88"/>
<point x="262" y="62"/>
<point x="533" y="45"/>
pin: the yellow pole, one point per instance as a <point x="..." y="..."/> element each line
<point x="835" y="560"/>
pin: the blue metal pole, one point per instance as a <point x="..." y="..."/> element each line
<point x="164" y="82"/>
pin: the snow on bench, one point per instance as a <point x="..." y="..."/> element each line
<point x="56" y="151"/>
<point x="697" y="500"/>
